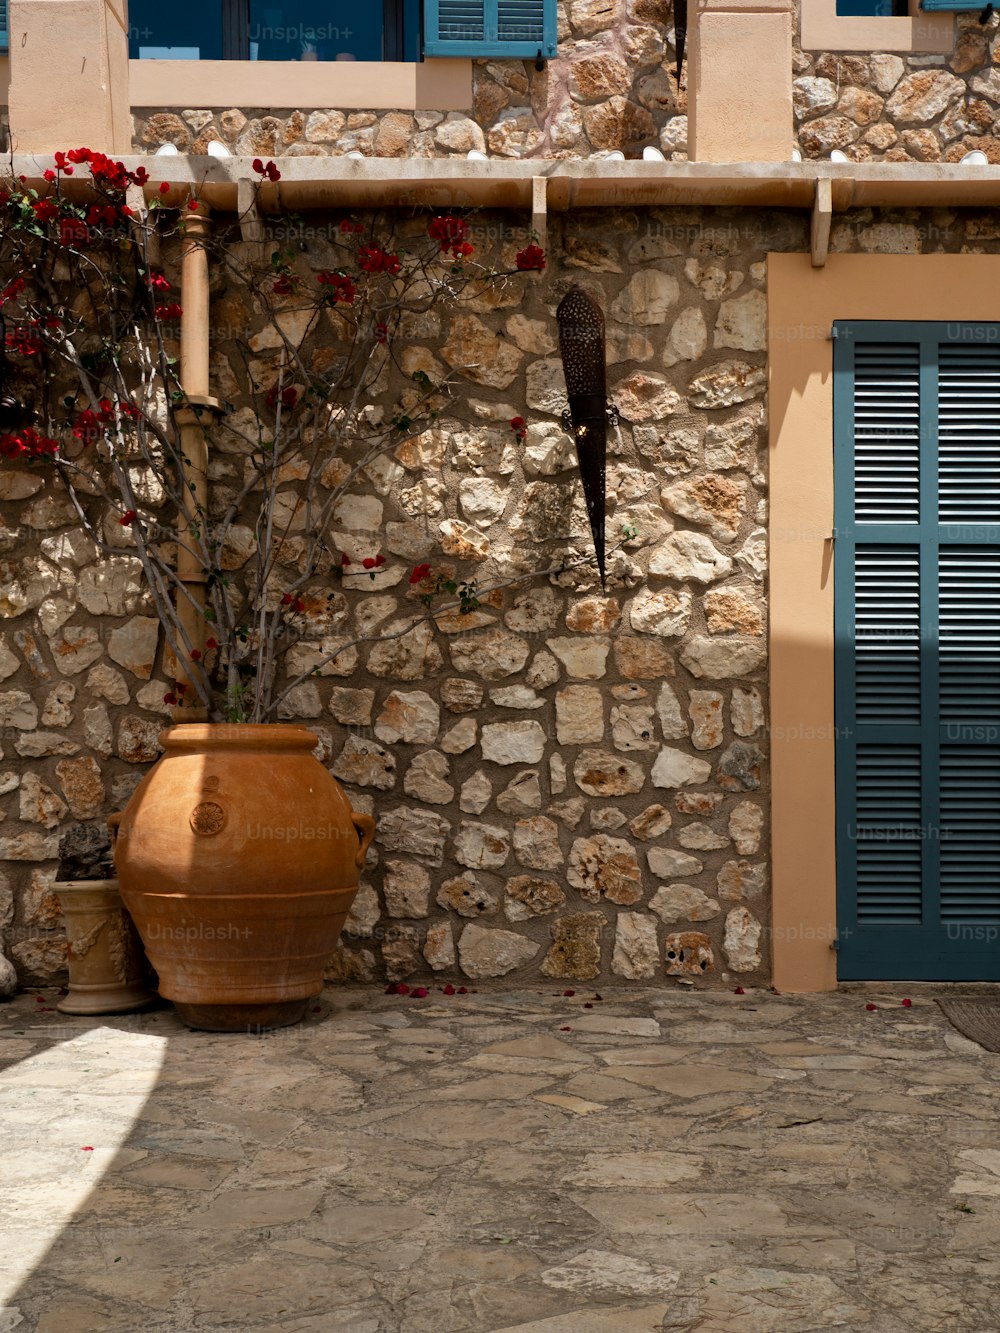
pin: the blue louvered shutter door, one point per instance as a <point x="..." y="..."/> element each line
<point x="514" y="28"/>
<point x="4" y="36"/>
<point x="950" y="6"/>
<point x="917" y="570"/>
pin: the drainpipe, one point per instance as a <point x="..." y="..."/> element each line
<point x="192" y="419"/>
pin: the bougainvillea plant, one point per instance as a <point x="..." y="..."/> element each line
<point x="91" y="392"/>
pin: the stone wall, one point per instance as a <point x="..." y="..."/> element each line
<point x="903" y="108"/>
<point x="611" y="87"/>
<point x="566" y="781"/>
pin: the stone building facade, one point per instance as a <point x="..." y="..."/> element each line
<point x="573" y="783"/>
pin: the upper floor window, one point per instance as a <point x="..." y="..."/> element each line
<point x="274" y="30"/>
<point x="873" y="8"/>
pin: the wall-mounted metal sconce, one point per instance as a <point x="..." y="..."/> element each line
<point x="584" y="360"/>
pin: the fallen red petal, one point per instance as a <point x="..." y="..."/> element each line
<point x="449" y="989"/>
<point x="739" y="991"/>
<point x="86" y="1150"/>
<point x="871" y="1007"/>
<point x="569" y="992"/>
<point x="907" y="1004"/>
<point x="317" y="1009"/>
<point x="402" y="988"/>
<point x="588" y="1005"/>
<point x="463" y="990"/>
<point x="419" y="993"/>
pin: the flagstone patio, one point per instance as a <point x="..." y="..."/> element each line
<point x="526" y="1161"/>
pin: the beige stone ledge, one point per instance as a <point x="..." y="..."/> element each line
<point x="337" y="182"/>
<point x="433" y="85"/>
<point x="822" y="30"/>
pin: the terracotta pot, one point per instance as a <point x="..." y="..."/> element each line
<point x="238" y="857"/>
<point x="106" y="965"/>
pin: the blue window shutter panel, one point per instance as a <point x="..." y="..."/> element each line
<point x="4" y="39"/>
<point x="518" y="29"/>
<point x="917" y="649"/>
<point x="952" y="6"/>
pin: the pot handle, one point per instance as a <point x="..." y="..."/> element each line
<point x="113" y="822"/>
<point x="365" y="826"/>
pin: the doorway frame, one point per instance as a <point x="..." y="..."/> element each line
<point x="803" y="304"/>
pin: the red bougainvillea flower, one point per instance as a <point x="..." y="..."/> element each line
<point x="12" y="291"/>
<point x="27" y="444"/>
<point x="128" y="518"/>
<point x="193" y="205"/>
<point x="140" y="176"/>
<point x="532" y="257"/>
<point x="520" y="428"/>
<point x="211" y="643"/>
<point x="419" y="573"/>
<point x="159" y="282"/>
<point x="871" y="1008"/>
<point x="345" y="560"/>
<point x="374" y="562"/>
<point x="907" y="1004"/>
<point x="170" y="700"/>
<point x="164" y="187"/>
<point x="339" y="287"/>
<point x="289" y="397"/>
<point x="418" y="993"/>
<point x="171" y="311"/>
<point x="298" y="605"/>
<point x="448" y="990"/>
<point x="195" y="654"/>
<point x="49" y="175"/>
<point x="450" y="233"/>
<point x="287" y="599"/>
<point x="381" y="332"/>
<point x="267" y="170"/>
<point x="283" y="287"/>
<point x="372" y="259"/>
<point x="73" y="231"/>
<point x="45" y="209"/>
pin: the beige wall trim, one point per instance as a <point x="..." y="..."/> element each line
<point x="819" y="237"/>
<point x="803" y="303"/>
<point x="432" y="85"/>
<point x="822" y="30"/>
<point x="740" y="81"/>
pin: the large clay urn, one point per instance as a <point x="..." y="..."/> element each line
<point x="238" y="857"/>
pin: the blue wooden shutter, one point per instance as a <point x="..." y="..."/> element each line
<point x="953" y="6"/>
<point x="515" y="28"/>
<point x="4" y="38"/>
<point x="917" y="629"/>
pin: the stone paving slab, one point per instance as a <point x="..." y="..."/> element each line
<point x="502" y="1162"/>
